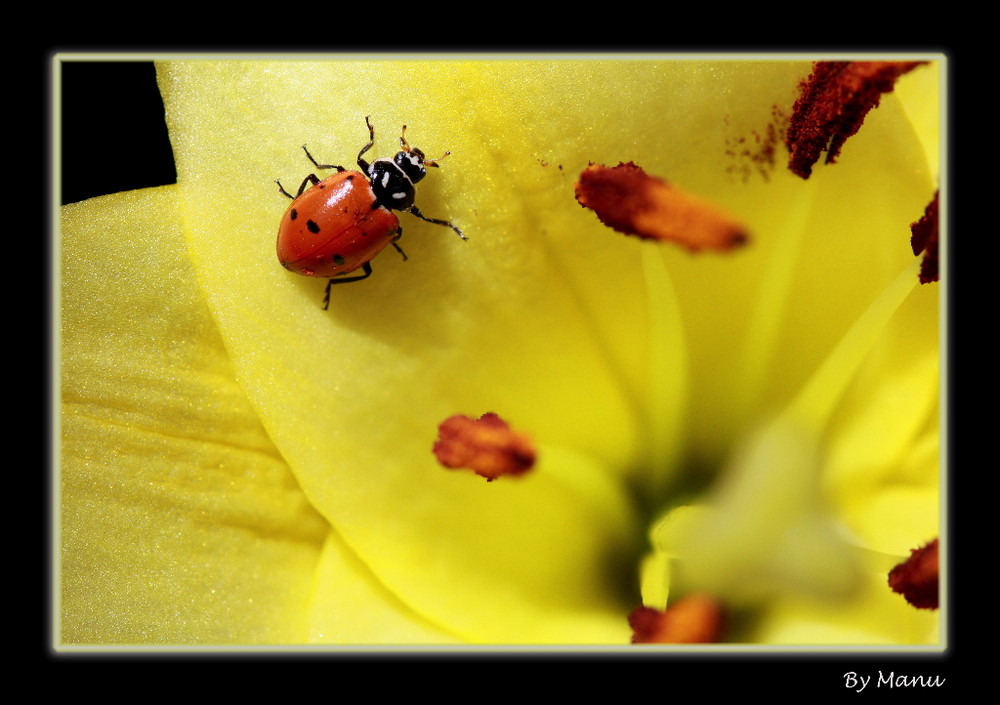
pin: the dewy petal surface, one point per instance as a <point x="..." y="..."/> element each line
<point x="520" y="320"/>
<point x="179" y="521"/>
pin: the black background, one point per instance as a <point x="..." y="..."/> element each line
<point x="113" y="133"/>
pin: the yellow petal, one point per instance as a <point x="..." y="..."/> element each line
<point x="350" y="606"/>
<point x="875" y="617"/>
<point x="180" y="523"/>
<point x="352" y="396"/>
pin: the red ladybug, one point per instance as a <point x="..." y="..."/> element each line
<point x="339" y="224"/>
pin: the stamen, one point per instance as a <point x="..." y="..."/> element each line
<point x="916" y="578"/>
<point x="487" y="446"/>
<point x="628" y="200"/>
<point x="925" y="239"/>
<point x="695" y="619"/>
<point x="833" y="104"/>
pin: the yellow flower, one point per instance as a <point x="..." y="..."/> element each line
<point x="240" y="466"/>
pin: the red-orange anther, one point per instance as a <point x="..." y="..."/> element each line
<point x="832" y="105"/>
<point x="916" y="578"/>
<point x="694" y="619"/>
<point x="925" y="239"/>
<point x="487" y="446"/>
<point x="630" y="201"/>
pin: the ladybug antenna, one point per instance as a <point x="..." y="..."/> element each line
<point x="434" y="162"/>
<point x="407" y="148"/>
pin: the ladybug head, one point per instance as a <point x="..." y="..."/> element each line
<point x="412" y="161"/>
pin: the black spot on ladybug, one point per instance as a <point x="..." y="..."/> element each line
<point x="293" y="214"/>
<point x="349" y="177"/>
<point x="338" y="259"/>
<point x="313" y="227"/>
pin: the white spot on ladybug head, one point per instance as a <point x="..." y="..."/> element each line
<point x="399" y="195"/>
<point x="385" y="179"/>
<point x="414" y="159"/>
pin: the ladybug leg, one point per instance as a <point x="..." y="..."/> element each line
<point x="399" y="234"/>
<point x="311" y="179"/>
<point x="366" y="268"/>
<point x="416" y="211"/>
<point x="371" y="142"/>
<point x="322" y="166"/>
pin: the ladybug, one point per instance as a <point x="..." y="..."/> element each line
<point x="338" y="225"/>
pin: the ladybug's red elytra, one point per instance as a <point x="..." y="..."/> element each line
<point x="338" y="225"/>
